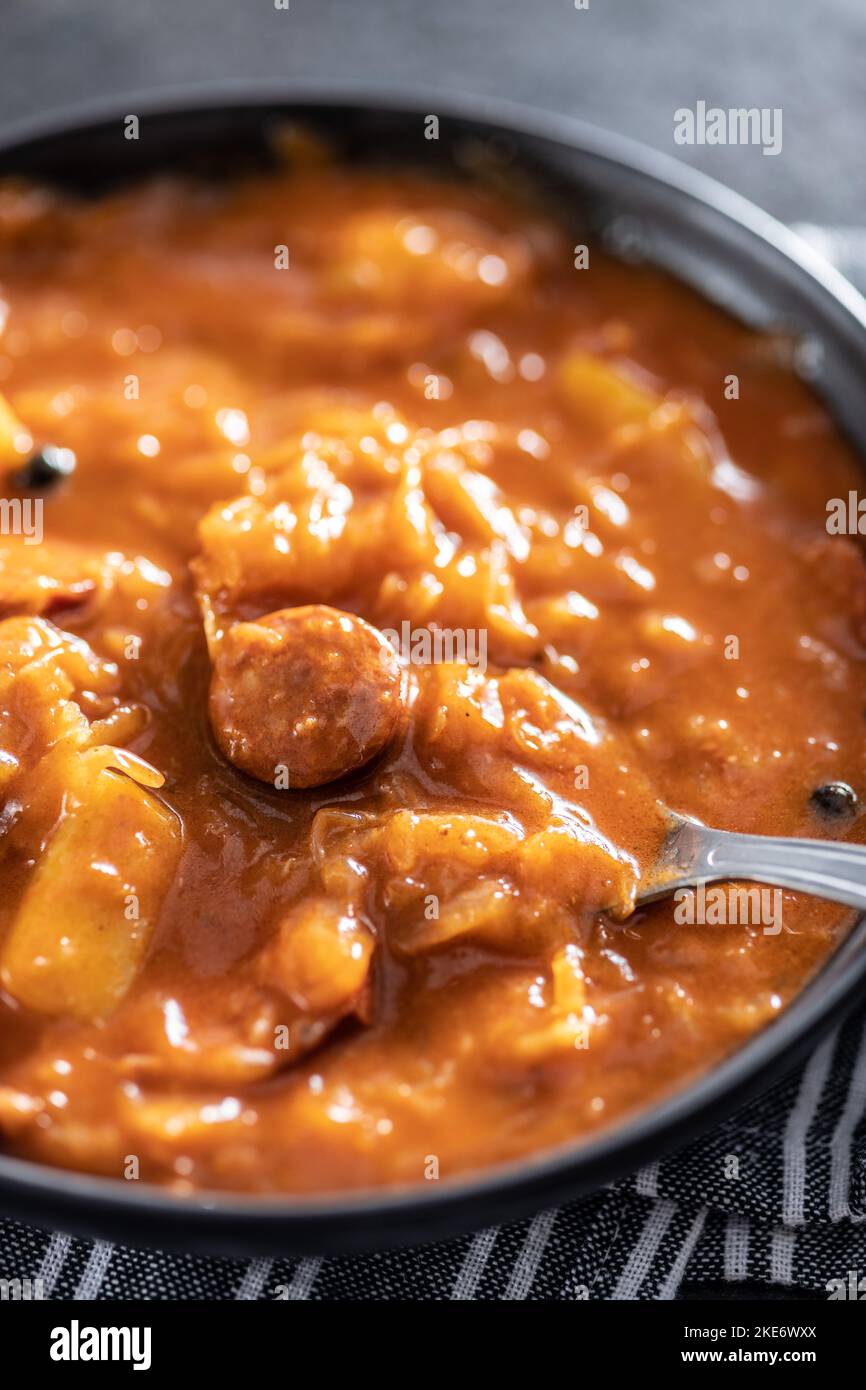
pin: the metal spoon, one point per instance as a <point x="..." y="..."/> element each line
<point x="693" y="853"/>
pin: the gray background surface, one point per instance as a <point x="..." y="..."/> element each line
<point x="626" y="64"/>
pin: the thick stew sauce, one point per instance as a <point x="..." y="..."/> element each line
<point x="372" y="567"/>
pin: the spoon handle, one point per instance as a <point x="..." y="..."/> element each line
<point x="825" y="868"/>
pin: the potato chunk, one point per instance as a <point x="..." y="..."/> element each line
<point x="603" y="396"/>
<point x="319" y="958"/>
<point x="84" y="923"/>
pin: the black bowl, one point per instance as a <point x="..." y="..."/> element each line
<point x="644" y="204"/>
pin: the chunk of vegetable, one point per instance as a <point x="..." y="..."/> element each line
<point x="82" y="929"/>
<point x="603" y="396"/>
<point x="320" y="958"/>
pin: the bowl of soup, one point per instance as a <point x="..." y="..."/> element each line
<point x="403" y="503"/>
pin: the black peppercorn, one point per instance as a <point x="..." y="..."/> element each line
<point x="45" y="469"/>
<point x="835" y="799"/>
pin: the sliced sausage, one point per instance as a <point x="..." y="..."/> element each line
<point x="304" y="695"/>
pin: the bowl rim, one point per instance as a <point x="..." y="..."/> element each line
<point x="373" y="1218"/>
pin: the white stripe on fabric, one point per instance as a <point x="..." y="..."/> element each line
<point x="670" y="1286"/>
<point x="530" y="1257"/>
<point x="736" y="1249"/>
<point x="840" y="1144"/>
<point x="641" y="1258"/>
<point x="304" y="1277"/>
<point x="255" y="1277"/>
<point x="52" y="1262"/>
<point x="473" y="1266"/>
<point x="794" y="1141"/>
<point x="647" y="1181"/>
<point x="782" y="1256"/>
<point x="94" y="1271"/>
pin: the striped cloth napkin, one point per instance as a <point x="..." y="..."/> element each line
<point x="771" y="1204"/>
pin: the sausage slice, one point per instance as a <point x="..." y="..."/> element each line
<point x="304" y="695"/>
